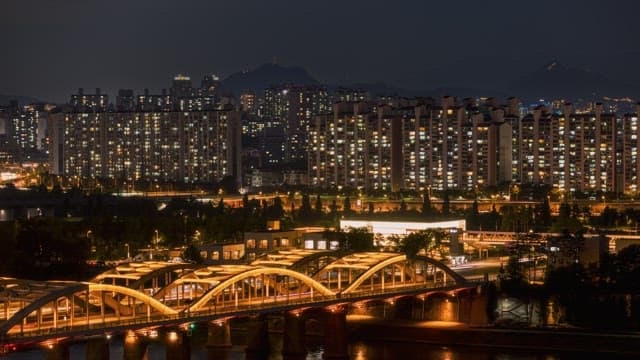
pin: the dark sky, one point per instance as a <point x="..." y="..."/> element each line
<point x="52" y="47"/>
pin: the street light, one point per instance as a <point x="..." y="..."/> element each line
<point x="155" y="245"/>
<point x="128" y="255"/>
<point x="93" y="247"/>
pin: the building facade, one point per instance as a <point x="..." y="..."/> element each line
<point x="420" y="145"/>
<point x="180" y="146"/>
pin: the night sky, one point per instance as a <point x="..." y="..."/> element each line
<point x="52" y="47"/>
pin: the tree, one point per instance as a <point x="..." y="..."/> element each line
<point x="411" y="244"/>
<point x="305" y="208"/>
<point x="473" y="217"/>
<point x="334" y="207"/>
<point x="542" y="217"/>
<point x="347" y="205"/>
<point x="245" y="201"/>
<point x="426" y="206"/>
<point x="275" y="211"/>
<point x="220" y="208"/>
<point x="446" y="203"/>
<point x="192" y="254"/>
<point x="403" y="206"/>
<point x="565" y="222"/>
<point x="428" y="241"/>
<point x="568" y="247"/>
<point x="318" y="205"/>
<point x="228" y="184"/>
<point x="359" y="239"/>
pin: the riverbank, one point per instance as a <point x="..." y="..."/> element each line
<point x="459" y="334"/>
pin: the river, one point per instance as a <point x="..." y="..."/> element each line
<point x="358" y="350"/>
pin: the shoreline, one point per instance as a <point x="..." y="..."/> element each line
<point x="441" y="333"/>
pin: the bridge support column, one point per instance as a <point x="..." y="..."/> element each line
<point x="218" y="340"/>
<point x="58" y="351"/>
<point x="389" y="310"/>
<point x="294" y="332"/>
<point x="135" y="347"/>
<point x="97" y="349"/>
<point x="335" y="333"/>
<point x="178" y="345"/>
<point x="219" y="334"/>
<point x="478" y="310"/>
<point x="257" y="337"/>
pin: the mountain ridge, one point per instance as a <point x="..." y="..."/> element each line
<point x="557" y="80"/>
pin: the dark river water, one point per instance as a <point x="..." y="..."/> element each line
<point x="360" y="350"/>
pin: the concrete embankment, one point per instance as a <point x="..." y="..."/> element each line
<point x="459" y="334"/>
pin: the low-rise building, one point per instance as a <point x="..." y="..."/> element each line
<point x="258" y="243"/>
<point x="222" y="253"/>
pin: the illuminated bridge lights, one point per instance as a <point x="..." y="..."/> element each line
<point x="159" y="294"/>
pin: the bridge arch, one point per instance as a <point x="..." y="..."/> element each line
<point x="311" y="265"/>
<point x="148" y="276"/>
<point x="260" y="279"/>
<point x="76" y="305"/>
<point x="417" y="269"/>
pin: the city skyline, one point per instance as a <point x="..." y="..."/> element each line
<point x="54" y="49"/>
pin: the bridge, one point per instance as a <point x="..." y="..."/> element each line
<point x="481" y="239"/>
<point x="141" y="297"/>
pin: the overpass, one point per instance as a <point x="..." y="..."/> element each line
<point x="481" y="239"/>
<point x="154" y="295"/>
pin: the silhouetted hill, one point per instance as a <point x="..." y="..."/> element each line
<point x="23" y="100"/>
<point x="265" y="76"/>
<point x="555" y="80"/>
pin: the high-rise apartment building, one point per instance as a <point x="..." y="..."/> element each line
<point x="22" y="131"/>
<point x="292" y="108"/>
<point x="628" y="161"/>
<point x="416" y="146"/>
<point x="343" y="147"/>
<point x="420" y="145"/>
<point x="89" y="102"/>
<point x="571" y="151"/>
<point x="180" y="146"/>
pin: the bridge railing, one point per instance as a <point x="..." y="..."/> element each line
<point x="228" y="310"/>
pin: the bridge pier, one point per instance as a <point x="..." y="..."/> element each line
<point x="257" y="337"/>
<point x="473" y="308"/>
<point x="57" y="351"/>
<point x="134" y="347"/>
<point x="335" y="333"/>
<point x="389" y="310"/>
<point x="97" y="349"/>
<point x="294" y="333"/>
<point x="178" y="345"/>
<point x="219" y="334"/>
<point x="218" y="340"/>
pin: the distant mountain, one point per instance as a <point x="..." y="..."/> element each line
<point x="374" y="89"/>
<point x="22" y="100"/>
<point x="265" y="76"/>
<point x="555" y="80"/>
<point x="465" y="92"/>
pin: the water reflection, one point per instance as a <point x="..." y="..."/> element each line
<point x="360" y="350"/>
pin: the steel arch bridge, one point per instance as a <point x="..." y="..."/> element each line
<point x="153" y="293"/>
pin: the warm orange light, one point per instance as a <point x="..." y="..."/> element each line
<point x="173" y="336"/>
<point x="131" y="337"/>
